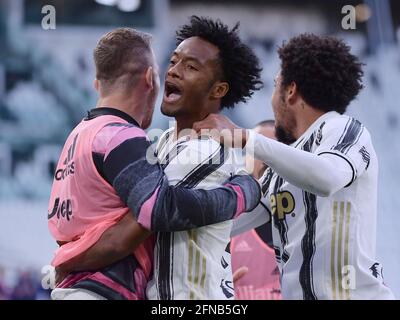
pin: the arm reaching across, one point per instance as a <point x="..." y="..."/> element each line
<point x="196" y="207"/>
<point x="143" y="186"/>
<point x="155" y="204"/>
<point x="321" y="173"/>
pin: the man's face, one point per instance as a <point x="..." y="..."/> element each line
<point x="191" y="75"/>
<point x="285" y="121"/>
<point x="153" y="94"/>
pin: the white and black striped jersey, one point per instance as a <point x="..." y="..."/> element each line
<point x="325" y="246"/>
<point x="194" y="264"/>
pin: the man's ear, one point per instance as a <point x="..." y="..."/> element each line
<point x="291" y="92"/>
<point x="149" y="77"/>
<point x="96" y="84"/>
<point x="219" y="90"/>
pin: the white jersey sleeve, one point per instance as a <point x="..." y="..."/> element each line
<point x="250" y="220"/>
<point x="322" y="174"/>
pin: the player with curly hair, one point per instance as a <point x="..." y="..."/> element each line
<point x="210" y="69"/>
<point x="320" y="189"/>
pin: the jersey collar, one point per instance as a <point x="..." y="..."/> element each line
<point x="315" y="125"/>
<point x="102" y="111"/>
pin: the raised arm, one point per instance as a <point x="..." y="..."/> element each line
<point x="335" y="164"/>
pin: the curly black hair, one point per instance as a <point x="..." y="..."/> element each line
<point x="326" y="74"/>
<point x="240" y="66"/>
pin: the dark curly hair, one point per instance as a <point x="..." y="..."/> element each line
<point x="240" y="66"/>
<point x="327" y="75"/>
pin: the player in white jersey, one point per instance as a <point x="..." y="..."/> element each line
<point x="321" y="187"/>
<point x="194" y="264"/>
<point x="210" y="69"/>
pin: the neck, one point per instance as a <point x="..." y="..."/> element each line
<point x="186" y="121"/>
<point x="129" y="105"/>
<point x="304" y="120"/>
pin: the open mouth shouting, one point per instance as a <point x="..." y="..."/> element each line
<point x="172" y="92"/>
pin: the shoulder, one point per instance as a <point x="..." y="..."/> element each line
<point x="112" y="129"/>
<point x="344" y="129"/>
<point x="342" y="124"/>
<point x="113" y="135"/>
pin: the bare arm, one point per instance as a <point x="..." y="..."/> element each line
<point x="116" y="243"/>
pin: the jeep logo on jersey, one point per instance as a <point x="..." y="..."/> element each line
<point x="65" y="209"/>
<point x="282" y="203"/>
<point x="69" y="167"/>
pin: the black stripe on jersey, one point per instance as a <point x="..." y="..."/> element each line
<point x="350" y="136"/>
<point x="162" y="143"/>
<point x="308" y="246"/>
<point x="277" y="251"/>
<point x="118" y="124"/>
<point x="228" y="247"/>
<point x="191" y="172"/>
<point x="121" y="272"/>
<point x="298" y="143"/>
<point x="164" y="265"/>
<point x="123" y="156"/>
<point x="99" y="288"/>
<point x="171" y="280"/>
<point x="214" y="161"/>
<point x="98" y="159"/>
<point x="97" y="112"/>
<point x="269" y="214"/>
<point x="172" y="154"/>
<point x="354" y="141"/>
<point x="266" y="182"/>
<point x="308" y="242"/>
<point x="281" y="225"/>
<point x="358" y="138"/>
<point x="351" y="166"/>
<point x="344" y="131"/>
<point x="365" y="156"/>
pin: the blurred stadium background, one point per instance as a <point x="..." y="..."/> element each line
<point x="46" y="87"/>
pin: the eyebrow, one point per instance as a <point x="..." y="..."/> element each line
<point x="189" y="58"/>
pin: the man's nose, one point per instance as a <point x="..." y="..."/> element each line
<point x="174" y="71"/>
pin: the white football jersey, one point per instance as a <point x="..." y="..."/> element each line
<point x="194" y="264"/>
<point x="325" y="246"/>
